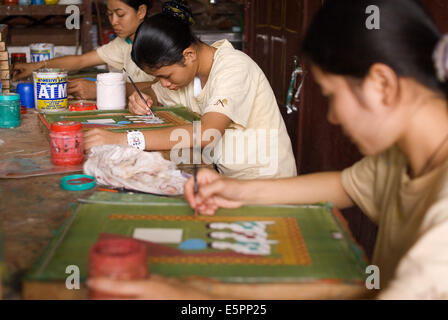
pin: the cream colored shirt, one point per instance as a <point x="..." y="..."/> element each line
<point x="412" y="215"/>
<point x="257" y="144"/>
<point x="117" y="54"/>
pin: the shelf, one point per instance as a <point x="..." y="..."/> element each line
<point x="43" y="12"/>
<point x="35" y="10"/>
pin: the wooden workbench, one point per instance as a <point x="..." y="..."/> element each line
<point x="33" y="209"/>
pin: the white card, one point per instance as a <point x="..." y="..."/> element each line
<point x="158" y="235"/>
<point x="101" y="121"/>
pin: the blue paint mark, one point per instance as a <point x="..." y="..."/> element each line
<point x="124" y="122"/>
<point x="193" y="244"/>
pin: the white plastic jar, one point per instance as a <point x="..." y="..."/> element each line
<point x="110" y="91"/>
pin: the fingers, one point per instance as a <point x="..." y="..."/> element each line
<point x="189" y="192"/>
<point x="22" y="70"/>
<point x="138" y="106"/>
<point x="93" y="138"/>
<point x="82" y="88"/>
<point x="19" y="73"/>
<point x="204" y="177"/>
<point x="211" y="189"/>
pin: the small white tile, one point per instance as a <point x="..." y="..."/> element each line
<point x="158" y="235"/>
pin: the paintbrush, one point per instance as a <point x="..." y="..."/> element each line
<point x="196" y="187"/>
<point x="139" y="93"/>
<point x="195" y="166"/>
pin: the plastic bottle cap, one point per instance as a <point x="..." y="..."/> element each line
<point x="9" y="97"/>
<point x="78" y="182"/>
<point x="64" y="126"/>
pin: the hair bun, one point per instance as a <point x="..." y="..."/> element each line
<point x="440" y="58"/>
<point x="178" y="9"/>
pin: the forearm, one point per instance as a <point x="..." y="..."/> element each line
<point x="68" y="63"/>
<point x="73" y="62"/>
<point x="306" y="189"/>
<point x="168" y="138"/>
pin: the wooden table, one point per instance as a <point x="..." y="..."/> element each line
<point x="32" y="209"/>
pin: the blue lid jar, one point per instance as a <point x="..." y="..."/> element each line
<point x="9" y="97"/>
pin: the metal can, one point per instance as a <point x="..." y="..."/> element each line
<point x="41" y="51"/>
<point x="9" y="110"/>
<point x="67" y="148"/>
<point x="50" y="90"/>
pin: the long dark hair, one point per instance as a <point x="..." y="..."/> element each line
<point x="137" y="3"/>
<point x="339" y="42"/>
<point x="161" y="39"/>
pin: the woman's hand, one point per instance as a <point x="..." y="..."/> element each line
<point x="154" y="288"/>
<point x="96" y="137"/>
<point x="82" y="89"/>
<point x="137" y="106"/>
<point x="214" y="192"/>
<point x="23" y="70"/>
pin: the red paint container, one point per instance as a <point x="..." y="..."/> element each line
<point x="66" y="143"/>
<point x="119" y="259"/>
<point x="83" y="106"/>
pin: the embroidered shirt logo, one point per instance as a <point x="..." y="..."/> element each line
<point x="221" y="102"/>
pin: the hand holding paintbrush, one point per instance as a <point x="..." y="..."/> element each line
<point x="140" y="94"/>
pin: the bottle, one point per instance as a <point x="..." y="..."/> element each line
<point x="18" y="58"/>
<point x="110" y="91"/>
<point x="67" y="148"/>
<point x="9" y="110"/>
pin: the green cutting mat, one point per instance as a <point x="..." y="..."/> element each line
<point x="172" y="116"/>
<point x="329" y="257"/>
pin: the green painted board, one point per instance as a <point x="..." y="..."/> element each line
<point x="321" y="250"/>
<point x="171" y="115"/>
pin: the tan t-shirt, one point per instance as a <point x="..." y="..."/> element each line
<point x="117" y="54"/>
<point x="412" y="215"/>
<point x="257" y="144"/>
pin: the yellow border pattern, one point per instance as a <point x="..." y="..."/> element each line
<point x="291" y="247"/>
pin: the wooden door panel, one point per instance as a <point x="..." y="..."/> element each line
<point x="439" y="10"/>
<point x="261" y="13"/>
<point x="261" y="55"/>
<point x="278" y="67"/>
<point x="276" y="14"/>
<point x="293" y="15"/>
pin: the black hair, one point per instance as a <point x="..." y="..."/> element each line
<point x="161" y="39"/>
<point x="135" y="4"/>
<point x="339" y="42"/>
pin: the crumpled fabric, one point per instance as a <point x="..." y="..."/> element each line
<point x="130" y="168"/>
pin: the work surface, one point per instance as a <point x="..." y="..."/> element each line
<point x="31" y="209"/>
<point x="35" y="211"/>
